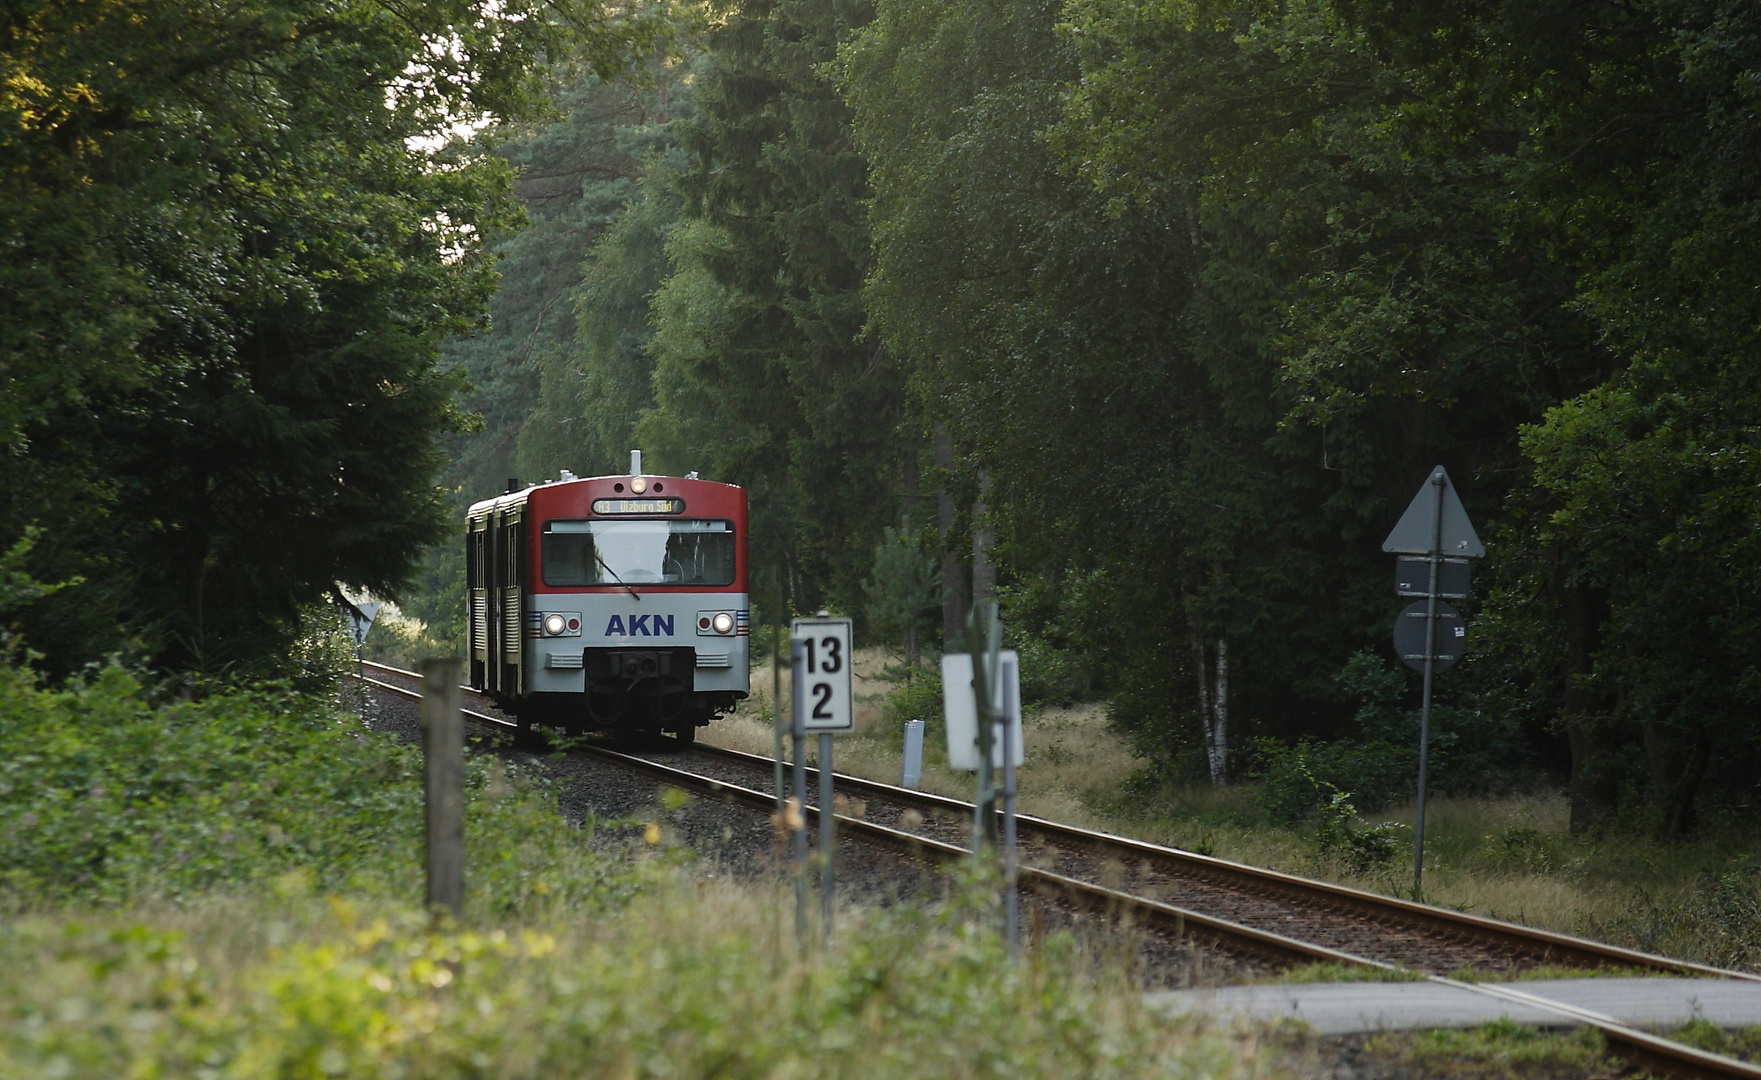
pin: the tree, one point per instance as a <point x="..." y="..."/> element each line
<point x="229" y="263"/>
<point x="533" y="369"/>
<point x="762" y="374"/>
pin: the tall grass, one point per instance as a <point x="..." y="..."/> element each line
<point x="699" y="979"/>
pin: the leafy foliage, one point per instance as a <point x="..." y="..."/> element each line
<point x="109" y="797"/>
<point x="761" y="375"/>
<point x="234" y="236"/>
<point x="1296" y="782"/>
<point x="903" y="590"/>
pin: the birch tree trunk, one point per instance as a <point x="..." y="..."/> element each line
<point x="1218" y="741"/>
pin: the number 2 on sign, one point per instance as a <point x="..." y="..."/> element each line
<point x="834" y="658"/>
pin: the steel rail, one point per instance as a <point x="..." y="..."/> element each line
<point x="1489" y="930"/>
<point x="1493" y="932"/>
<point x="1165" y="918"/>
<point x="1640" y="1047"/>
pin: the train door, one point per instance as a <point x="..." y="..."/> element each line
<point x="506" y="611"/>
<point x="514" y="615"/>
<point x="477" y="601"/>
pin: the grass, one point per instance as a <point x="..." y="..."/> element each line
<point x="1743" y="1043"/>
<point x="1509" y="857"/>
<point x="1071" y="752"/>
<point x="1328" y="972"/>
<point x="701" y="979"/>
<point x="1501" y="1050"/>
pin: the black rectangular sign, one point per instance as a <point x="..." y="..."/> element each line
<point x="1412" y="577"/>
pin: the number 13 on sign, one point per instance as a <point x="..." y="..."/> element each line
<point x="824" y="649"/>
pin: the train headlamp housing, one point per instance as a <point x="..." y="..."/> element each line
<point x="717" y="624"/>
<point x="554" y="625"/>
<point x="638" y="485"/>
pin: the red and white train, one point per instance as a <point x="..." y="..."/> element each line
<point x="611" y="603"/>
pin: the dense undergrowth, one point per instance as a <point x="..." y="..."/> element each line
<point x="109" y="796"/>
<point x="227" y="886"/>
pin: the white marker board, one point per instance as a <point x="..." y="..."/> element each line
<point x="961" y="708"/>
<point x="823" y="650"/>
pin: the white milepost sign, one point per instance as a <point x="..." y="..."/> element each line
<point x="824" y="704"/>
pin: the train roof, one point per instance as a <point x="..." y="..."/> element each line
<point x="680" y="484"/>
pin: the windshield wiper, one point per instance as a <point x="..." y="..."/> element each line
<point x="616" y="578"/>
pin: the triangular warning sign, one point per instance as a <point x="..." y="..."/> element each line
<point x="1417" y="532"/>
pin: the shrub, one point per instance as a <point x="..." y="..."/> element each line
<point x="1296" y="781"/>
<point x="1472" y="749"/>
<point x="1340" y="834"/>
<point x="919" y="698"/>
<point x="1049" y="675"/>
<point x="107" y="797"/>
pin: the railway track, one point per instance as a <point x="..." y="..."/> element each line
<point x="1239" y="910"/>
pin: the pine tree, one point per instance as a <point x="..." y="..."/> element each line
<point x="763" y="376"/>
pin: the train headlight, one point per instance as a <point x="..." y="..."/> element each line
<point x="723" y="622"/>
<point x="638" y="485"/>
<point x="554" y="625"/>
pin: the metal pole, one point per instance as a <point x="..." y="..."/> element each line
<point x="1418" y="833"/>
<point x="1011" y="900"/>
<point x="443" y="784"/>
<point x="798" y="728"/>
<point x="776" y="683"/>
<point x="827" y="842"/>
<point x="986" y="643"/>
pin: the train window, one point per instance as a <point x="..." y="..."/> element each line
<point x="690" y="552"/>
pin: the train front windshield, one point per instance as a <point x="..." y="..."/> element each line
<point x="676" y="552"/>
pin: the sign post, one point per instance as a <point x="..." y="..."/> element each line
<point x="443" y="785"/>
<point x="982" y="701"/>
<point x="820" y="649"/>
<point x="776" y="682"/>
<point x="1436" y="526"/>
<point x="798" y="821"/>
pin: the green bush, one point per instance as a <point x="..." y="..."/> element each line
<point x="107" y="797"/>
<point x="1473" y="750"/>
<point x="1054" y="623"/>
<point x="919" y="698"/>
<point x="1049" y="675"/>
<point x="1296" y="781"/>
<point x="1343" y="836"/>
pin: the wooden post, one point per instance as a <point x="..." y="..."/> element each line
<point x="443" y="784"/>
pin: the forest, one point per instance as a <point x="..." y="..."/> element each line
<point x="1164" y="310"/>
